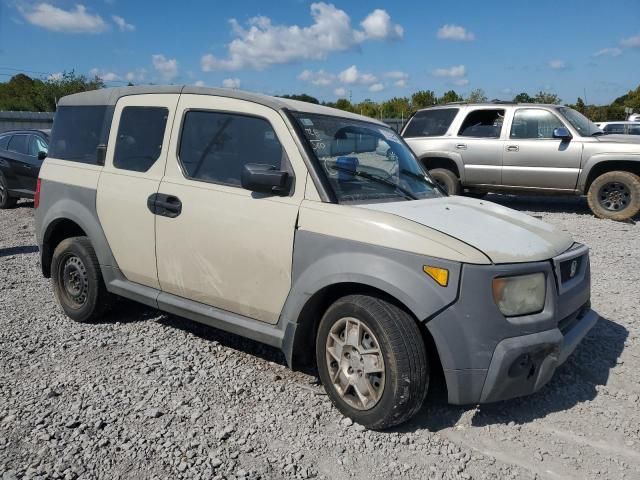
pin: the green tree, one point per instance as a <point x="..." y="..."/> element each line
<point x="367" y="107"/>
<point x="477" y="96"/>
<point x="396" y="107"/>
<point x="546" y="97"/>
<point x="423" y="99"/>
<point x="450" y="97"/>
<point x="344" y="104"/>
<point x="580" y="106"/>
<point x="523" y="98"/>
<point x="303" y="97"/>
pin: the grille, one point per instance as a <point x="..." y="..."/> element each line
<point x="567" y="266"/>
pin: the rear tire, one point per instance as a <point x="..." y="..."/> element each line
<point x="77" y="280"/>
<point x="366" y="339"/>
<point x="447" y="180"/>
<point x="6" y="200"/>
<point x="615" y="196"/>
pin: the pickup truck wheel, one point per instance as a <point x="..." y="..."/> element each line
<point x="372" y="361"/>
<point x="77" y="280"/>
<point x="447" y="180"/>
<point x="6" y="201"/>
<point x="615" y="196"/>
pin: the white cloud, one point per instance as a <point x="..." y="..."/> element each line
<point x="400" y="78"/>
<point x="55" y="76"/>
<point x="352" y="76"/>
<point x="105" y="76"/>
<point x="557" y="64"/>
<point x="631" y="42"/>
<point x="461" y="82"/>
<point x="262" y="44"/>
<point x="376" y="87"/>
<point x="320" y="78"/>
<point x="166" y="67"/>
<point x="455" y="32"/>
<point x="231" y="83"/>
<point x="340" y="92"/>
<point x="378" y="26"/>
<point x="76" y="20"/>
<point x="199" y="83"/>
<point x="122" y="24"/>
<point x="135" y="76"/>
<point x="453" y="72"/>
<point x="614" y="52"/>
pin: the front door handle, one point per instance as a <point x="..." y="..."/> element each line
<point x="461" y="146"/>
<point x="513" y="148"/>
<point x="164" y="205"/>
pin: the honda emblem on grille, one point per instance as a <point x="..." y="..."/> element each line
<point x="574" y="269"/>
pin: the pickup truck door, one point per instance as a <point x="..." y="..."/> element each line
<point x="533" y="158"/>
<point x="217" y="243"/>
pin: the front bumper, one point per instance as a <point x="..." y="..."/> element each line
<point x="487" y="357"/>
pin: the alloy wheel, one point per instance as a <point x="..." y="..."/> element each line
<point x="614" y="196"/>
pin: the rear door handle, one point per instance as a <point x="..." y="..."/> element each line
<point x="513" y="148"/>
<point x="461" y="146"/>
<point x="164" y="205"/>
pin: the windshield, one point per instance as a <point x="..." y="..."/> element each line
<point x="365" y="162"/>
<point x="582" y="124"/>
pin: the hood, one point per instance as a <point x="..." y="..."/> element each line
<point x="502" y="234"/>
<point x="631" y="139"/>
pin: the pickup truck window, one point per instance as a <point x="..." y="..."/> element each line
<point x="430" y="123"/>
<point x="215" y="146"/>
<point x="365" y="162"/>
<point x="483" y="123"/>
<point x="534" y="123"/>
<point x="140" y="136"/>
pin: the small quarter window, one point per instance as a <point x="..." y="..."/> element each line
<point x="430" y="123"/>
<point x="485" y="123"/>
<point x="534" y="123"/>
<point x="140" y="137"/>
<point x="215" y="146"/>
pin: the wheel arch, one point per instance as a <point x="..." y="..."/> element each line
<point x="602" y="166"/>
<point x="443" y="161"/>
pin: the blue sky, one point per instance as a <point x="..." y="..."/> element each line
<point x="364" y="49"/>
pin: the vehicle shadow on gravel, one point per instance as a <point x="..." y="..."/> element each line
<point x="20" y="250"/>
<point x="574" y="382"/>
<point x="542" y="203"/>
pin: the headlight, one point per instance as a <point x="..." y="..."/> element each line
<point x="520" y="295"/>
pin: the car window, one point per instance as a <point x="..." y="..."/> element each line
<point x="19" y="144"/>
<point x="430" y="123"/>
<point x="4" y="142"/>
<point x="40" y="144"/>
<point x="614" y="128"/>
<point x="140" y="136"/>
<point x="534" y="123"/>
<point x="634" y="129"/>
<point x="485" y="123"/>
<point x="77" y="132"/>
<point x="215" y="146"/>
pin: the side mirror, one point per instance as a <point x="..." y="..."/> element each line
<point x="42" y="155"/>
<point x="262" y="178"/>
<point x="562" y="133"/>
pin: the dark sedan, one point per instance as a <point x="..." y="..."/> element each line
<point x="21" y="156"/>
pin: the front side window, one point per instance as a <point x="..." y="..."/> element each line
<point x="534" y="123"/>
<point x="614" y="128"/>
<point x="364" y="162"/>
<point x="4" y="142"/>
<point x="430" y="123"/>
<point x="485" y="123"/>
<point x="19" y="144"/>
<point x="77" y="132"/>
<point x="634" y="129"/>
<point x="39" y="145"/>
<point x="582" y="124"/>
<point x="215" y="146"/>
<point x="140" y="136"/>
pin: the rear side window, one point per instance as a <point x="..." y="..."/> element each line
<point x="77" y="132"/>
<point x="614" y="128"/>
<point x="634" y="129"/>
<point x="140" y="136"/>
<point x="4" y="142"/>
<point x="19" y="144"/>
<point x="215" y="146"/>
<point x="486" y="123"/>
<point x="430" y="123"/>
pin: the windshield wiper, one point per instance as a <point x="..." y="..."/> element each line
<point x="377" y="179"/>
<point x="423" y="178"/>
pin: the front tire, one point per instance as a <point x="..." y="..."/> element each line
<point x="615" y="196"/>
<point x="6" y="200"/>
<point x="447" y="180"/>
<point x="372" y="361"/>
<point x="77" y="280"/>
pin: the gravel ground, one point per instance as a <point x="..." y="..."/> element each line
<point x="149" y="395"/>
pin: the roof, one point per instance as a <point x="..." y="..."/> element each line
<point x="110" y="96"/>
<point x="46" y="131"/>
<point x="490" y="104"/>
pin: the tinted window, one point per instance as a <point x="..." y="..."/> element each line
<point x="614" y="128"/>
<point x="39" y="144"/>
<point x="534" y="123"/>
<point x="634" y="129"/>
<point x="77" y="131"/>
<point x="140" y="136"/>
<point x="19" y="144"/>
<point x="214" y="147"/>
<point x="482" y="124"/>
<point x="4" y="142"/>
<point x="430" y="123"/>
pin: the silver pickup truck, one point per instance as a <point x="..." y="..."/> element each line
<point x="527" y="148"/>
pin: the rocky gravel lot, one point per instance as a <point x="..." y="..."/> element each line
<point x="148" y="395"/>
